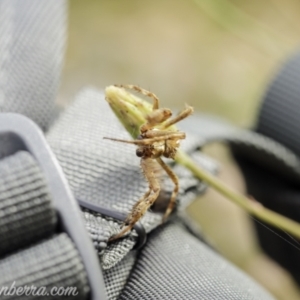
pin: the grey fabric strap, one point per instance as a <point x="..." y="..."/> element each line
<point x="53" y="263"/>
<point x="174" y="265"/>
<point x="279" y="114"/>
<point x="31" y="253"/>
<point x="26" y="211"/>
<point x="32" y="37"/>
<point x="116" y="277"/>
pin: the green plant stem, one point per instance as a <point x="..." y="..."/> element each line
<point x="253" y="207"/>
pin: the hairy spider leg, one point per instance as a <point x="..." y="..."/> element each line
<point x="182" y="115"/>
<point x="143" y="92"/>
<point x="140" y="208"/>
<point x="171" y="135"/>
<point x="175" y="180"/>
<point x="156" y="117"/>
<point x="127" y="221"/>
<point x="128" y="224"/>
<point x="156" y="133"/>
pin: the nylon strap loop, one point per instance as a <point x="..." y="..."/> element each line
<point x="26" y="211"/>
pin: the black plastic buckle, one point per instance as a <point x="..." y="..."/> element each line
<point x="20" y="133"/>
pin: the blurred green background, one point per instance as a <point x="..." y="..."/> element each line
<point x="216" y="55"/>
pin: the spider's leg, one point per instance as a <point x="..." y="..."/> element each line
<point x="164" y="133"/>
<point x="128" y="224"/>
<point x="134" y="142"/>
<point x="138" y="203"/>
<point x="120" y="140"/>
<point x="175" y="180"/>
<point x="146" y="201"/>
<point x="169" y="136"/>
<point x="182" y="115"/>
<point x="177" y="135"/>
<point x="156" y="117"/>
<point x="143" y="92"/>
<point x="173" y="135"/>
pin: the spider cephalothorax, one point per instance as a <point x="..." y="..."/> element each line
<point x="156" y="139"/>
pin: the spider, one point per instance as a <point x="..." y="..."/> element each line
<point x="154" y="141"/>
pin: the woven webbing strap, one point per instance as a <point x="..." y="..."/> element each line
<point x="26" y="212"/>
<point x="53" y="264"/>
<point x="32" y="38"/>
<point x="279" y="115"/>
<point x="31" y="253"/>
<point x="175" y="265"/>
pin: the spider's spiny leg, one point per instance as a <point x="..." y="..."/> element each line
<point x="170" y="136"/>
<point x="156" y="117"/>
<point x="121" y="233"/>
<point x="174" y="135"/>
<point x="136" y="214"/>
<point x="182" y="115"/>
<point x="140" y="208"/>
<point x="140" y="200"/>
<point x="149" y="171"/>
<point x="143" y="92"/>
<point x="175" y="180"/>
<point x="120" y="140"/>
<point x="130" y="221"/>
<point x="134" y="142"/>
<point x="163" y="133"/>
